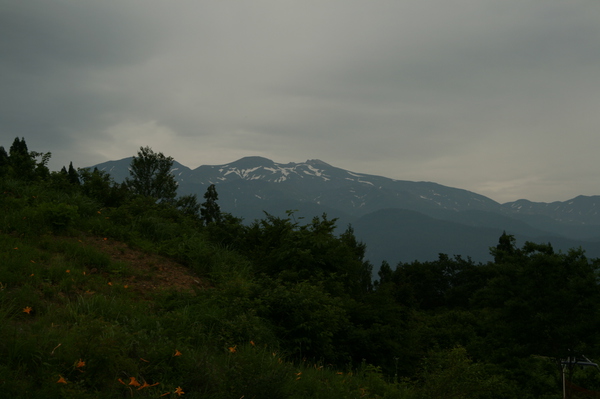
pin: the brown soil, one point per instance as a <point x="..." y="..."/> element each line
<point x="149" y="272"/>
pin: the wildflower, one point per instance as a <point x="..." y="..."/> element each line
<point x="27" y="310"/>
<point x="68" y="271"/>
<point x="144" y="360"/>
<point x="32" y="261"/>
<point x="232" y="349"/>
<point x="61" y="380"/>
<point x="31" y="275"/>
<point x="109" y="283"/>
<point x="134" y="382"/>
<point x="146" y="385"/>
<point x="252" y="343"/>
<point x="105" y="238"/>
<point x="179" y="391"/>
<point x="165" y="394"/>
<point x="80" y="364"/>
<point x="121" y="381"/>
<point x="177" y="353"/>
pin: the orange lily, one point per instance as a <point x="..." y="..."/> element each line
<point x="146" y="385"/>
<point x="134" y="382"/>
<point x="61" y="380"/>
<point x="179" y="391"/>
<point x="27" y="310"/>
<point x="177" y="353"/>
<point x="80" y="364"/>
<point x="232" y="349"/>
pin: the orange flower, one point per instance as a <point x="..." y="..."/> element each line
<point x="252" y="343"/>
<point x="121" y="381"/>
<point x="232" y="349"/>
<point x="68" y="271"/>
<point x="109" y="283"/>
<point x="27" y="310"/>
<point x="177" y="353"/>
<point x="144" y="360"/>
<point x="179" y="391"/>
<point x="134" y="382"/>
<point x="80" y="364"/>
<point x="61" y="380"/>
<point x="146" y="385"/>
<point x="165" y="394"/>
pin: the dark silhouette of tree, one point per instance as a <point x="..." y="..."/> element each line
<point x="21" y="162"/>
<point x="4" y="162"/>
<point x="210" y="211"/>
<point x="72" y="174"/>
<point x="151" y="176"/>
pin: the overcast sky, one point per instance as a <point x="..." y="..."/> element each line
<point x="497" y="97"/>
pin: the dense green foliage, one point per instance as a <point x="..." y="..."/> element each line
<point x="286" y="310"/>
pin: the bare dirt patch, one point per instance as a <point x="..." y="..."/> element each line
<point x="149" y="272"/>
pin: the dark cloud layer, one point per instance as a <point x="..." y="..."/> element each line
<point x="497" y="97"/>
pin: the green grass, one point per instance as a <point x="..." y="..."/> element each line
<point x="77" y="317"/>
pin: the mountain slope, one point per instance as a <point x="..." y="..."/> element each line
<point x="444" y="219"/>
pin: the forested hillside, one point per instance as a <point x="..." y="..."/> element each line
<point x="113" y="290"/>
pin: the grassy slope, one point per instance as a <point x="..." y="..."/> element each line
<point x="103" y="316"/>
<point x="85" y="315"/>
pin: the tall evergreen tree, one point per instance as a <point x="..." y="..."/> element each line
<point x="21" y="162"/>
<point x="72" y="175"/>
<point x="210" y="211"/>
<point x="4" y="162"/>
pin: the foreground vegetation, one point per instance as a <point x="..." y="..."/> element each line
<point x="113" y="290"/>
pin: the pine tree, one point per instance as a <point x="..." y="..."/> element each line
<point x="21" y="162"/>
<point x="73" y="175"/>
<point x="210" y="211"/>
<point x="4" y="162"/>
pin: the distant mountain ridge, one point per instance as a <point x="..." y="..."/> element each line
<point x="251" y="185"/>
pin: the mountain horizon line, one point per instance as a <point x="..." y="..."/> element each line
<point x="260" y="160"/>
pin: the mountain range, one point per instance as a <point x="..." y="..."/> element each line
<point x="400" y="221"/>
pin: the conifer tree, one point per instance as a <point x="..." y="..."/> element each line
<point x="72" y="175"/>
<point x="210" y="211"/>
<point x="21" y="162"/>
<point x="4" y="162"/>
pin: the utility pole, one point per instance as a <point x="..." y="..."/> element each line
<point x="571" y="362"/>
